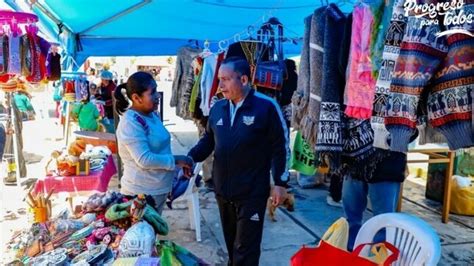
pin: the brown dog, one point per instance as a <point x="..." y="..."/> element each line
<point x="288" y="203"/>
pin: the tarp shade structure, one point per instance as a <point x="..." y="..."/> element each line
<point x="160" y="27"/>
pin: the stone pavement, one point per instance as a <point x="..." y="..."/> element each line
<point x="281" y="239"/>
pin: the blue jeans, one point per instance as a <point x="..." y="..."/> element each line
<point x="383" y="196"/>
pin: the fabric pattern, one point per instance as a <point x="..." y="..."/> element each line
<point x="14" y="66"/>
<point x="310" y="119"/>
<point x="445" y="67"/>
<point x="391" y="51"/>
<point x="360" y="87"/>
<point x="329" y="136"/>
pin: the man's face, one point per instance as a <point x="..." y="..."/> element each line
<point x="231" y="83"/>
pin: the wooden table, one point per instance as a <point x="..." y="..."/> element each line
<point x="436" y="155"/>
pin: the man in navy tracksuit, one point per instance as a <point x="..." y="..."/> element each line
<point x="248" y="135"/>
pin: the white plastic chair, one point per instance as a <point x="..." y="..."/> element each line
<point x="193" y="203"/>
<point x="417" y="241"/>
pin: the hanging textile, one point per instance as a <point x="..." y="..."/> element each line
<point x="329" y="137"/>
<point x="215" y="82"/>
<point x="391" y="50"/>
<point x="82" y="89"/>
<point x="444" y="66"/>
<point x="197" y="65"/>
<point x="53" y="64"/>
<point x="300" y="98"/>
<point x="184" y="80"/>
<point x="25" y="55"/>
<point x="309" y="123"/>
<point x="360" y="88"/>
<point x="14" y="65"/>
<point x="38" y="49"/>
<point x="3" y="54"/>
<point x="382" y="10"/>
<point x="207" y="79"/>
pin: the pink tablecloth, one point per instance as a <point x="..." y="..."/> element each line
<point x="95" y="181"/>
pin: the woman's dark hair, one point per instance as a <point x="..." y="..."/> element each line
<point x="137" y="83"/>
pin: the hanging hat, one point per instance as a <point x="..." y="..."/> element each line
<point x="107" y="75"/>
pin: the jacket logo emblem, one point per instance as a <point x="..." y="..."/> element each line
<point x="255" y="218"/>
<point x="248" y="120"/>
<point x="220" y="122"/>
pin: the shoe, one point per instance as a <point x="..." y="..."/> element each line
<point x="333" y="203"/>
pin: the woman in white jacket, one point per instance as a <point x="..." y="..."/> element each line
<point x="144" y="143"/>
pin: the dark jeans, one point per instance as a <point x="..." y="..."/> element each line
<point x="242" y="223"/>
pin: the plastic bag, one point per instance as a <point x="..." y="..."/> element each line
<point x="337" y="234"/>
<point x="462" y="199"/>
<point x="172" y="254"/>
<point x="302" y="157"/>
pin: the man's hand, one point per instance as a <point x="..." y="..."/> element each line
<point x="186" y="163"/>
<point x="278" y="195"/>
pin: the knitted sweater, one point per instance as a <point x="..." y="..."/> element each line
<point x="391" y="51"/>
<point x="443" y="65"/>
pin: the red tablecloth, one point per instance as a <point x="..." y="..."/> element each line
<point x="97" y="181"/>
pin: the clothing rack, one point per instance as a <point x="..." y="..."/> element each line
<point x="14" y="19"/>
<point x="67" y="122"/>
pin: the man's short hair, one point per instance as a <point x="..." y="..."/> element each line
<point x="239" y="65"/>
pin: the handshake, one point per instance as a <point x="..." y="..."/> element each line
<point x="186" y="163"/>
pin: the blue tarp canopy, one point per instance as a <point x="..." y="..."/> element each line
<point x="160" y="27"/>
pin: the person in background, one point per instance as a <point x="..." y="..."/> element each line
<point x="248" y="135"/>
<point x="382" y="189"/>
<point x="87" y="114"/>
<point x="144" y="144"/>
<point x="104" y="94"/>
<point x="22" y="101"/>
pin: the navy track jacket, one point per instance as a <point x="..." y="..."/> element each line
<point x="245" y="151"/>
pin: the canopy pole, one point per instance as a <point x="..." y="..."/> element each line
<point x="49" y="14"/>
<point x="116" y="16"/>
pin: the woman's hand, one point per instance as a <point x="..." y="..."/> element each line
<point x="185" y="162"/>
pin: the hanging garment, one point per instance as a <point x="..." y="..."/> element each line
<point x="207" y="78"/>
<point x="329" y="137"/>
<point x="197" y="65"/>
<point x="215" y="82"/>
<point x="3" y="54"/>
<point x="444" y="65"/>
<point x="39" y="50"/>
<point x="25" y="55"/>
<point x="309" y="123"/>
<point x="391" y="50"/>
<point x="300" y="97"/>
<point x="53" y="64"/>
<point x="14" y="66"/>
<point x="359" y="157"/>
<point x="382" y="11"/>
<point x="183" y="81"/>
<point x="360" y="88"/>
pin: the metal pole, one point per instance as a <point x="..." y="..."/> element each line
<point x="15" y="140"/>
